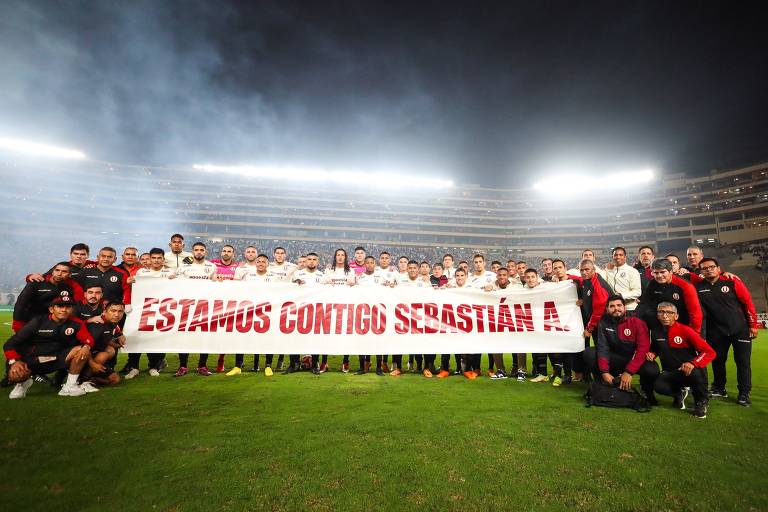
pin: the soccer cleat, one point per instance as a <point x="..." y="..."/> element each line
<point x="71" y="390"/>
<point x="557" y="381"/>
<point x="470" y="375"/>
<point x="443" y="374"/>
<point x="651" y="397"/>
<point x="395" y="372"/>
<point x="20" y="389"/>
<point x="323" y="367"/>
<point x="744" y="400"/>
<point x="289" y="369"/>
<point x="204" y="371"/>
<point x="220" y="368"/>
<point x="316" y="371"/>
<point x="345" y="367"/>
<point x="490" y="373"/>
<point x="718" y="392"/>
<point x="152" y="373"/>
<point x="679" y="401"/>
<point x="520" y="375"/>
<point x="234" y="371"/>
<point x="380" y="372"/>
<point x="268" y="371"/>
<point x="88" y="387"/>
<point x="539" y="378"/>
<point x="427" y="373"/>
<point x="133" y="372"/>
<point x="182" y="371"/>
<point x="162" y="365"/>
<point x="499" y="375"/>
<point x="384" y="368"/>
<point x="256" y="369"/>
<point x="361" y="371"/>
<point x="700" y="409"/>
<point x="125" y="370"/>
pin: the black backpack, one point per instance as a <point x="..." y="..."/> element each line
<point x="602" y="394"/>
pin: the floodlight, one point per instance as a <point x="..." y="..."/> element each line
<point x="35" y="149"/>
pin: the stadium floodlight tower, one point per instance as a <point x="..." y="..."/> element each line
<point x="35" y="149"/>
<point x="573" y="186"/>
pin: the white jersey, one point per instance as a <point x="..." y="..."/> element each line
<point x="625" y="280"/>
<point x="375" y="278"/>
<point x="449" y="272"/>
<point x="413" y="283"/>
<point x="204" y="270"/>
<point x="282" y="272"/>
<point x="486" y="278"/>
<point x="308" y="278"/>
<point x="452" y="284"/>
<point x="173" y="260"/>
<point x="148" y="273"/>
<point x="387" y="276"/>
<point x="249" y="273"/>
<point x="337" y="276"/>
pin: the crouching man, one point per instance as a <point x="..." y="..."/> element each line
<point x="108" y="338"/>
<point x="622" y="346"/>
<point x="49" y="343"/>
<point x="684" y="358"/>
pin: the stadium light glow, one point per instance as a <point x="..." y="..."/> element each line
<point x="578" y="184"/>
<point x="35" y="149"/>
<point x="375" y="179"/>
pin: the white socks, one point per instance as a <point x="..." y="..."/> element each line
<point x="72" y="379"/>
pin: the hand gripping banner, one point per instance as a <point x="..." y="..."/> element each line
<point x="244" y="317"/>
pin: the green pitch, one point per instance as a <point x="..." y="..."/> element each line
<point x="340" y="441"/>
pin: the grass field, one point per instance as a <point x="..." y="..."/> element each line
<point x="340" y="441"/>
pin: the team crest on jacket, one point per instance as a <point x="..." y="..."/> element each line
<point x="64" y="293"/>
<point x="627" y="332"/>
<point x="725" y="289"/>
<point x="113" y="279"/>
<point x="68" y="331"/>
<point x="623" y="274"/>
<point x="676" y="296"/>
<point x="678" y="340"/>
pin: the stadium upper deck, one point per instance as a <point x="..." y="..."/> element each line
<point x="724" y="207"/>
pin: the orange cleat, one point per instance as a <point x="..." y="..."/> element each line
<point x="443" y="374"/>
<point x="491" y="373"/>
<point x="427" y="373"/>
<point x="384" y="367"/>
<point x="395" y="372"/>
<point x="470" y="375"/>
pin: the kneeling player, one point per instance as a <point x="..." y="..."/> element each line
<point x="46" y="344"/>
<point x="108" y="338"/>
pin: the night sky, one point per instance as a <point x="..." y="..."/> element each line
<point x="481" y="92"/>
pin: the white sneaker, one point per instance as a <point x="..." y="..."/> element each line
<point x="20" y="389"/>
<point x="88" y="387"/>
<point x="73" y="390"/>
<point x="131" y="374"/>
<point x="152" y="373"/>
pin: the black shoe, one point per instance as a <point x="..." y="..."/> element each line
<point x="361" y="371"/>
<point x="679" y="402"/>
<point x="256" y="369"/>
<point x="124" y="371"/>
<point x="700" y="409"/>
<point x="651" y="398"/>
<point x="316" y="370"/>
<point x="568" y="379"/>
<point x="379" y="372"/>
<point x="717" y="392"/>
<point x="289" y="369"/>
<point x="744" y="400"/>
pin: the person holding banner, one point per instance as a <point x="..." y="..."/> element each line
<point x="412" y="279"/>
<point x="200" y="268"/>
<point x="311" y="276"/>
<point x="389" y="277"/>
<point x="370" y="277"/>
<point x="594" y="294"/>
<point x="339" y="274"/>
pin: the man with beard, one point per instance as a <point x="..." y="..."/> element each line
<point x="37" y="295"/>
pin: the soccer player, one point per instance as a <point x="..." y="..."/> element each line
<point x="731" y="321"/>
<point x="144" y="260"/>
<point x="225" y="271"/>
<point x="645" y="257"/>
<point x="37" y="295"/>
<point x="459" y="281"/>
<point x="370" y="277"/>
<point x="667" y="287"/>
<point x="90" y="309"/>
<point x="495" y="266"/>
<point x="624" y="279"/>
<point x="483" y="280"/>
<point x="200" y="268"/>
<point x="108" y="338"/>
<point x="46" y="344"/>
<point x="389" y="276"/>
<point x="412" y="280"/>
<point x="254" y="269"/>
<point x="502" y="283"/>
<point x="339" y="274"/>
<point x="301" y="261"/>
<point x="521" y="268"/>
<point x="402" y="266"/>
<point x="156" y="270"/>
<point x="358" y="263"/>
<point x="594" y="294"/>
<point x="684" y="358"/>
<point x="281" y="269"/>
<point x="546" y="270"/>
<point x="448" y="269"/>
<point x="538" y="360"/>
<point x="113" y="281"/>
<point x="177" y="256"/>
<point x="622" y="344"/>
<point x="465" y="266"/>
<point x="424" y="271"/>
<point x="311" y="276"/>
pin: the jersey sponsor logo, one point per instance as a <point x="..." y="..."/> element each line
<point x="69" y="331"/>
<point x="725" y="289"/>
<point x="113" y="279"/>
<point x="676" y="296"/>
<point x="678" y="340"/>
<point x="627" y="332"/>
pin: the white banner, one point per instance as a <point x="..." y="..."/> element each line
<point x="244" y="317"/>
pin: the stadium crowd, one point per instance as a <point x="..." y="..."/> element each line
<point x="68" y="320"/>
